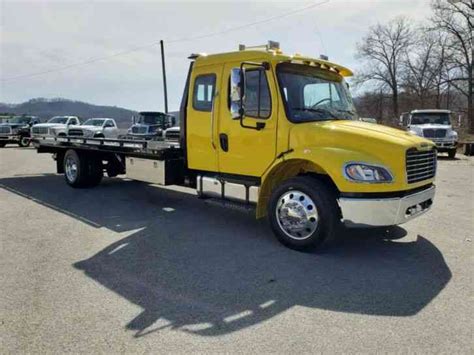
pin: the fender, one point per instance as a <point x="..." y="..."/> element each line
<point x="326" y="161"/>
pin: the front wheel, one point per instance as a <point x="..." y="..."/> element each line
<point x="24" y="142"/>
<point x="2" y="144"/>
<point x="452" y="153"/>
<point x="303" y="213"/>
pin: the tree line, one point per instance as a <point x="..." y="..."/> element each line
<point x="406" y="65"/>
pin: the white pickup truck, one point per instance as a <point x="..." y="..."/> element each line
<point x="95" y="128"/>
<point x="434" y="125"/>
<point x="56" y="126"/>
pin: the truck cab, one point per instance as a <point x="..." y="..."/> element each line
<point x="287" y="125"/>
<point x="434" y="125"/>
<point x="17" y="130"/>
<point x="149" y="125"/>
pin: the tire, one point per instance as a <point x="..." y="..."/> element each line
<point x="2" y="145"/>
<point x="81" y="170"/>
<point x="24" y="141"/>
<point x="452" y="153"/>
<point x="304" y="214"/>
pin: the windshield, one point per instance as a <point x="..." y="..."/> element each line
<point x="314" y="94"/>
<point x="441" y="118"/>
<point x="94" y="122"/>
<point x="20" y="119"/>
<point x="58" y="120"/>
<point x="156" y="119"/>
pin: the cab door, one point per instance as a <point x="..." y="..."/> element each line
<point x="202" y="115"/>
<point x="247" y="151"/>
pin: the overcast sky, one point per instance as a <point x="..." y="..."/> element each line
<point x="39" y="36"/>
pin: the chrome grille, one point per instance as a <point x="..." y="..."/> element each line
<point x="139" y="129"/>
<point x="5" y="130"/>
<point x="420" y="165"/>
<point x="40" y="130"/>
<point x="434" y="133"/>
<point x="172" y="135"/>
<point x="75" y="132"/>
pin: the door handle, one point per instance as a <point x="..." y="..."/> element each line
<point x="212" y="118"/>
<point x="224" y="141"/>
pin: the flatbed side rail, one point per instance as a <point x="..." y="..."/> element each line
<point x="147" y="148"/>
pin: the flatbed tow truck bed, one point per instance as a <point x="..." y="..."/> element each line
<point x="154" y="161"/>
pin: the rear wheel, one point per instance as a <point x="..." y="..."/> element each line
<point x="24" y="141"/>
<point x="82" y="170"/>
<point x="452" y="153"/>
<point x="303" y="213"/>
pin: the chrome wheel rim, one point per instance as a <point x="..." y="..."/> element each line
<point x="24" y="141"/>
<point x="297" y="215"/>
<point x="71" y="169"/>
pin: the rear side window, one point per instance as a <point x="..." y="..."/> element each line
<point x="203" y="92"/>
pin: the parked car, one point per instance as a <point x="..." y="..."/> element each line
<point x="56" y="126"/>
<point x="434" y="125"/>
<point x="149" y="125"/>
<point x="95" y="128"/>
<point x="17" y="130"/>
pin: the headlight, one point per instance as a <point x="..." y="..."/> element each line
<point x="453" y="134"/>
<point x="361" y="172"/>
<point x="416" y="133"/>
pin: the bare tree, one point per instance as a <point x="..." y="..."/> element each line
<point x="456" y="19"/>
<point x="383" y="50"/>
<point x="425" y="67"/>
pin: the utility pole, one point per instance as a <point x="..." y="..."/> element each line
<point x="165" y="89"/>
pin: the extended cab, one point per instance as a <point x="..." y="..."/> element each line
<point x="278" y="133"/>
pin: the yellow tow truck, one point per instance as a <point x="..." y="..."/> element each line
<point x="274" y="132"/>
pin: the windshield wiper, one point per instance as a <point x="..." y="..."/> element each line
<point x="352" y="113"/>
<point x="317" y="110"/>
<point x="330" y="113"/>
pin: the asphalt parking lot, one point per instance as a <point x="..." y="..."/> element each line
<point x="128" y="267"/>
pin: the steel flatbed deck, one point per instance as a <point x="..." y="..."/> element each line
<point x="150" y="149"/>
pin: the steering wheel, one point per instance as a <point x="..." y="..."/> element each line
<point x="321" y="101"/>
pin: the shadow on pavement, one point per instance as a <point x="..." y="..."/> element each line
<point x="211" y="271"/>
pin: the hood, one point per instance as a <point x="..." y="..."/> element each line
<point x="14" y="125"/>
<point x="88" y="127"/>
<point x="354" y="135"/>
<point x="49" y="125"/>
<point x="430" y="126"/>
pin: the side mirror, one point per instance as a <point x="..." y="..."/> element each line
<point x="237" y="87"/>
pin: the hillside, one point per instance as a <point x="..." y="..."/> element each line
<point x="46" y="108"/>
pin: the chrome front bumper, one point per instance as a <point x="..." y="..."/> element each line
<point x="366" y="212"/>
